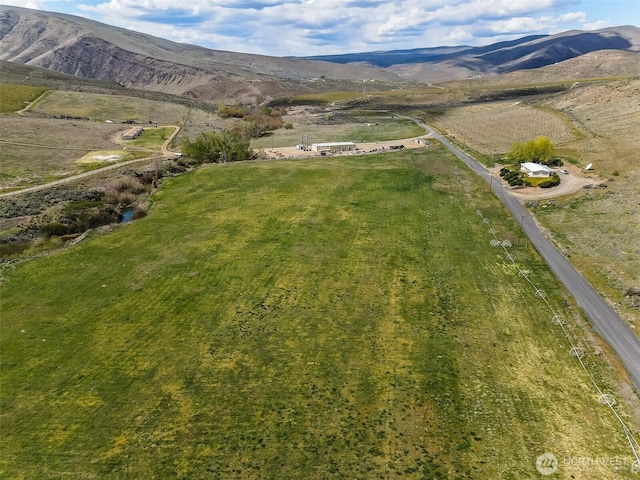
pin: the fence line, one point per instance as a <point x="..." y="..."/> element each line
<point x="605" y="399"/>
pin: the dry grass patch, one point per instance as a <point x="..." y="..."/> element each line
<point x="36" y="150"/>
<point x="601" y="229"/>
<point x="102" y="156"/>
<point x="609" y="114"/>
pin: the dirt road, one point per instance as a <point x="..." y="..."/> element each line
<point x="165" y="154"/>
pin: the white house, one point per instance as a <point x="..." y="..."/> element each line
<point x="536" y="170"/>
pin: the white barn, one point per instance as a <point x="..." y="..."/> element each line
<point x="535" y="169"/>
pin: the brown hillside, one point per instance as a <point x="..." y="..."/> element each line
<point x="88" y="49"/>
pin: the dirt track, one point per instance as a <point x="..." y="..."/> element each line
<point x="163" y="154"/>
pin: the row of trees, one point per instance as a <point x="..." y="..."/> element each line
<point x="256" y="122"/>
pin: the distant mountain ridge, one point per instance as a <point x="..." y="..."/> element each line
<point x="88" y="49"/>
<point x="389" y="58"/>
<point x="503" y="57"/>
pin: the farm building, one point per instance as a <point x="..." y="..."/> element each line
<point x="334" y="147"/>
<point x="133" y="133"/>
<point x="536" y="170"/>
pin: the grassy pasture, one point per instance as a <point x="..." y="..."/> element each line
<point x="335" y="318"/>
<point x="17" y="97"/>
<point x="151" y="138"/>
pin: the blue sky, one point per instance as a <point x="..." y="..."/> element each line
<point x="321" y="27"/>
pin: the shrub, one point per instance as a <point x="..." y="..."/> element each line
<point x="95" y="220"/>
<point x="115" y="197"/>
<point x="9" y="247"/>
<point x="552" y="182"/>
<point x="127" y="184"/>
<point x="227" y="146"/>
<point x="138" y="213"/>
<point x="555" y="162"/>
<point x="171" y="167"/>
<point x="146" y="178"/>
<point x="234" y="111"/>
<point x="55" y="229"/>
<point x="36" y="202"/>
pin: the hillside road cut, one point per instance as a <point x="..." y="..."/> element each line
<point x="605" y="320"/>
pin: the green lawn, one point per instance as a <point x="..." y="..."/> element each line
<point x="152" y="138"/>
<point x="335" y="318"/>
<point x="17" y="97"/>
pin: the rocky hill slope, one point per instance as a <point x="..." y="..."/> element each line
<point x="88" y="49"/>
<point x="91" y="50"/>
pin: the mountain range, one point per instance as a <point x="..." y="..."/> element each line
<point x="84" y="48"/>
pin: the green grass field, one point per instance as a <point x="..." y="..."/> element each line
<point x="151" y="138"/>
<point x="17" y="97"/>
<point x="335" y="318"/>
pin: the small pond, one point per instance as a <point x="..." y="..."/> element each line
<point x="127" y="215"/>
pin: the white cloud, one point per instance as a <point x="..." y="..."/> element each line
<point x="33" y="4"/>
<point x="597" y="25"/>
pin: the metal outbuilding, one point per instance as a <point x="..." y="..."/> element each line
<point x="334" y="147"/>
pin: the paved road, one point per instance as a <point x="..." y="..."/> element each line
<point x="604" y="319"/>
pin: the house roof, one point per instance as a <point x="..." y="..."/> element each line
<point x="536" y="167"/>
